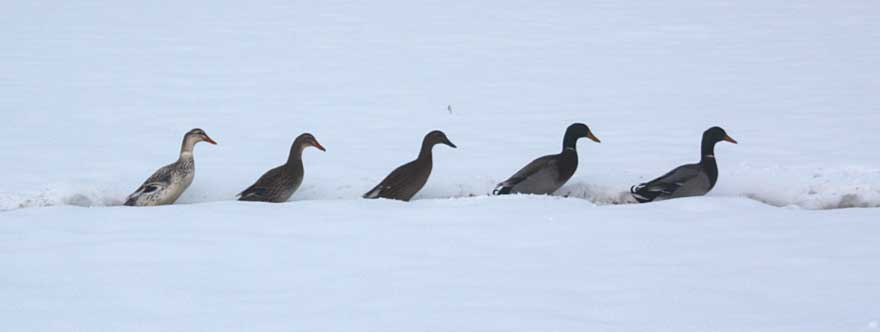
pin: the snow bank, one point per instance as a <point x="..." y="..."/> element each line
<point x="819" y="189"/>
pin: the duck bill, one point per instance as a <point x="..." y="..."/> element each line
<point x="209" y="140"/>
<point x="447" y="142"/>
<point x="593" y="137"/>
<point x="730" y="139"/>
<point x="318" y="146"/>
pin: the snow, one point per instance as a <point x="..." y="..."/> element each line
<point x="95" y="95"/>
<point x="725" y="264"/>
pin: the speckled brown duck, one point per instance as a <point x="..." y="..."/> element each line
<point x="279" y="183"/>
<point x="169" y="182"/>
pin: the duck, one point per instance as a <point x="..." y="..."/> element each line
<point x="686" y="180"/>
<point x="405" y="181"/>
<point x="279" y="183"/>
<point x="547" y="174"/>
<point x="167" y="184"/>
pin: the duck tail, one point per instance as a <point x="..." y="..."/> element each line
<point x="243" y="196"/>
<point x="253" y="194"/>
<point x="132" y="199"/>
<point x="373" y="193"/>
<point x="502" y="190"/>
<point x="641" y="195"/>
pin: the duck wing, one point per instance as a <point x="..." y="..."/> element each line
<point x="156" y="182"/>
<point x="267" y="187"/>
<point x="401" y="184"/>
<point x="144" y="189"/>
<point x="667" y="185"/>
<point x="538" y="172"/>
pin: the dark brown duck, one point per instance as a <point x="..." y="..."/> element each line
<point x="405" y="181"/>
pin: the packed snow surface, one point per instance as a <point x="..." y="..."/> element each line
<point x="473" y="264"/>
<point x="96" y="95"/>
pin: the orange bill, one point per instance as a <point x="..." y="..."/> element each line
<point x="208" y="139"/>
<point x="318" y="145"/>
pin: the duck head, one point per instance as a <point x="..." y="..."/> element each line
<point x="716" y="134"/>
<point x="575" y="132"/>
<point x="198" y="135"/>
<point x="301" y="143"/>
<point x="307" y="140"/>
<point x="191" y="138"/>
<point x="710" y="138"/>
<point x="437" y="137"/>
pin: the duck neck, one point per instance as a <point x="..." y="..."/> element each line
<point x="707" y="151"/>
<point x="425" y="152"/>
<point x="186" y="148"/>
<point x="707" y="159"/>
<point x="569" y="143"/>
<point x="296" y="152"/>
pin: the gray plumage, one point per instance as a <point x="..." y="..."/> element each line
<point x="169" y="182"/>
<point x="687" y="180"/>
<point x="539" y="177"/>
<point x="683" y="181"/>
<point x="547" y="174"/>
<point x="405" y="181"/>
<point x="279" y="183"/>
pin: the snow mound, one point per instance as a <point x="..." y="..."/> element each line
<point x="81" y="196"/>
<point x="817" y="189"/>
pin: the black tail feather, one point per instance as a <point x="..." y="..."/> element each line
<point x="502" y="190"/>
<point x="641" y="195"/>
